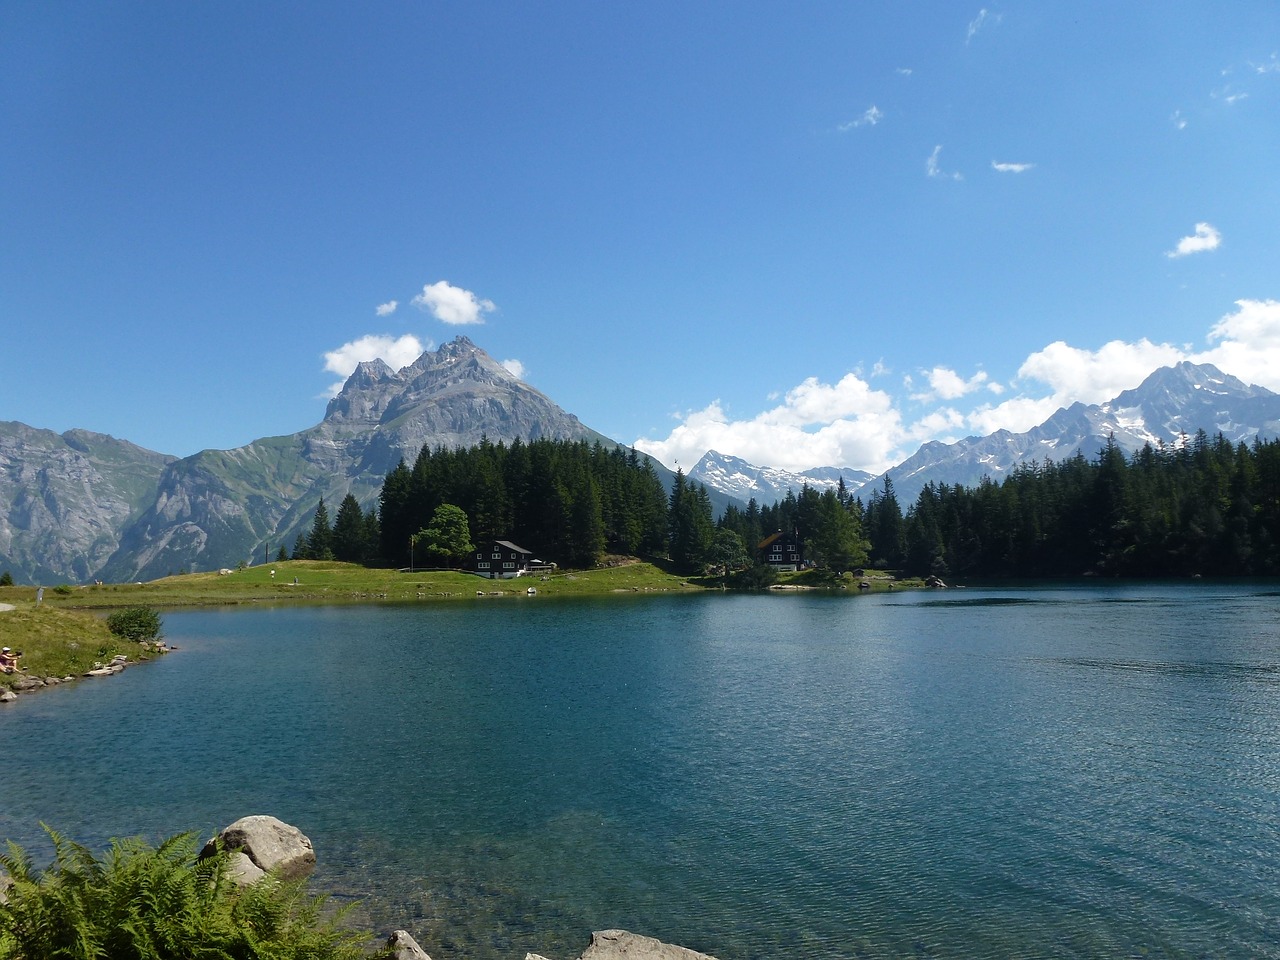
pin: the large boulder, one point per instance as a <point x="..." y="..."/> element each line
<point x="621" y="945"/>
<point x="404" y="947"/>
<point x="260" y="844"/>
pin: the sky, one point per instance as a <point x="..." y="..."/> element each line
<point x="815" y="234"/>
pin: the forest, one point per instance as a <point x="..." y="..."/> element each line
<point x="1203" y="507"/>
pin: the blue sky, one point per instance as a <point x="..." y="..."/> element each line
<point x="811" y="235"/>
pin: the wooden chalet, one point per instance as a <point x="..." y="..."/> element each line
<point x="782" y="551"/>
<point x="502" y="559"/>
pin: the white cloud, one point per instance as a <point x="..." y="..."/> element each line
<point x="398" y="352"/>
<point x="870" y="117"/>
<point x="1206" y="237"/>
<point x="1011" y="167"/>
<point x="978" y="22"/>
<point x="841" y="424"/>
<point x="1271" y="66"/>
<point x="849" y="423"/>
<point x="1247" y="343"/>
<point x="946" y="384"/>
<point x="453" y="305"/>
<point x="1179" y="120"/>
<point x="903" y="71"/>
<point x="933" y="170"/>
<point x="515" y="368"/>
<point x="388" y="308"/>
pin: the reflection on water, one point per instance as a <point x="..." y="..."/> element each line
<point x="1062" y="772"/>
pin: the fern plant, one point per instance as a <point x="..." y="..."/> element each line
<point x="160" y="903"/>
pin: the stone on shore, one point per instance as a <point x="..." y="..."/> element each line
<point x="268" y="844"/>
<point x="404" y="947"/>
<point x="7" y="696"/>
<point x="621" y="945"/>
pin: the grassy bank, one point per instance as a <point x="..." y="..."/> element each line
<point x="66" y="633"/>
<point x="59" y="643"/>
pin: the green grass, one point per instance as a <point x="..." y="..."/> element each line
<point x="57" y="642"/>
<point x="64" y="637"/>
<point x="332" y="582"/>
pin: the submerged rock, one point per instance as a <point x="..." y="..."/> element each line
<point x="621" y="945"/>
<point x="404" y="947"/>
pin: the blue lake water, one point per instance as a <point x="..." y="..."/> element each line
<point x="1053" y="772"/>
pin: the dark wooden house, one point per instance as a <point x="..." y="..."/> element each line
<point x="502" y="559"/>
<point x="782" y="551"/>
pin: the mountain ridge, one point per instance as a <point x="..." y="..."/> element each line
<point x="81" y="505"/>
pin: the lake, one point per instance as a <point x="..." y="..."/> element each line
<point x="1086" y="771"/>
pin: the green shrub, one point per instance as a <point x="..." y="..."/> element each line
<point x="155" y="903"/>
<point x="6" y="579"/>
<point x="135" y="623"/>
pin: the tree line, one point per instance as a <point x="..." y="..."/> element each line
<point x="568" y="501"/>
<point x="1205" y="506"/>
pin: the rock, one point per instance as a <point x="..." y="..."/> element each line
<point x="269" y="844"/>
<point x="242" y="871"/>
<point x="534" y="956"/>
<point x="27" y="683"/>
<point x="404" y="947"/>
<point x="7" y="696"/>
<point x="621" y="945"/>
<point x="6" y="882"/>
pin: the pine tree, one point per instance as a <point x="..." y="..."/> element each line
<point x="349" y="532"/>
<point x="320" y="540"/>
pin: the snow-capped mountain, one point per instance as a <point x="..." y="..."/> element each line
<point x="738" y="478"/>
<point x="1171" y="404"/>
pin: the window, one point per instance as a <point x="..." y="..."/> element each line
<point x="508" y="565"/>
<point x="482" y="566"/>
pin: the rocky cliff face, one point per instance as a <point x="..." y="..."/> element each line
<point x="64" y="498"/>
<point x="222" y="507"/>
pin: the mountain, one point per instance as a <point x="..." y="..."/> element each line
<point x="64" y="498"/>
<point x="222" y="507"/>
<point x="737" y="478"/>
<point x="1171" y="404"/>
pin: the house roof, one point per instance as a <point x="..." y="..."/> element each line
<point x="511" y="546"/>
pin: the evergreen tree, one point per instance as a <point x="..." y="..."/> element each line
<point x="394" y="515"/>
<point x="350" y="543"/>
<point x="320" y="540"/>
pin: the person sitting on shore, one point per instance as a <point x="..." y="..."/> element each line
<point x="8" y="660"/>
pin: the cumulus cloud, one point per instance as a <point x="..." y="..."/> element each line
<point x="452" y="305"/>
<point x="1011" y="167"/>
<point x="1246" y="344"/>
<point x="848" y="423"/>
<point x="841" y="424"/>
<point x="515" y="368"/>
<point x="946" y="384"/>
<point x="386" y="309"/>
<point x="870" y="117"/>
<point x="1206" y="237"/>
<point x="932" y="169"/>
<point x="397" y="352"/>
